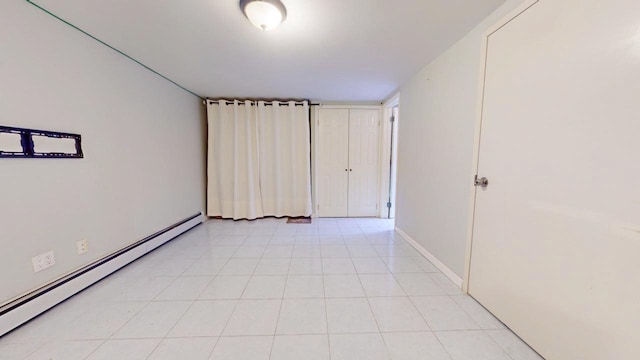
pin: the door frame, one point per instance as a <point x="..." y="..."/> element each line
<point x="315" y="134"/>
<point x="478" y="131"/>
<point x="386" y="152"/>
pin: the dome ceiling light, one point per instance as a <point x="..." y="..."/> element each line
<point x="264" y="14"/>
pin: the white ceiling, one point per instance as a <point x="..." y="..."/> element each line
<point x="330" y="50"/>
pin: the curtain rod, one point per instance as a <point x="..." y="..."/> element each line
<point x="268" y="102"/>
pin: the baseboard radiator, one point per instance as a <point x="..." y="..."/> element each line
<point x="27" y="307"/>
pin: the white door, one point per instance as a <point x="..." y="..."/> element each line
<point x="363" y="162"/>
<point x="333" y="163"/>
<point x="556" y="238"/>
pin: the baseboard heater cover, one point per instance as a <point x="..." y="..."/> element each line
<point x="27" y="307"/>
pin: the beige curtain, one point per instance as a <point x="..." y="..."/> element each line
<point x="259" y="159"/>
<point x="233" y="185"/>
<point x="284" y="158"/>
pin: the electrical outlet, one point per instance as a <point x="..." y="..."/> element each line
<point x="83" y="246"/>
<point x="43" y="261"/>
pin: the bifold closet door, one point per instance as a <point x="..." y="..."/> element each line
<point x="363" y="162"/>
<point x="333" y="163"/>
<point x="556" y="236"/>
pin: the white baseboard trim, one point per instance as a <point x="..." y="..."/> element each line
<point x="31" y="305"/>
<point x="434" y="260"/>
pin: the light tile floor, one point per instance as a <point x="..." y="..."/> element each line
<point x="335" y="289"/>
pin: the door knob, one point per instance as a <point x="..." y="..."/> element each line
<point x="483" y="182"/>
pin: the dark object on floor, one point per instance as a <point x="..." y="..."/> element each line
<point x="299" y="220"/>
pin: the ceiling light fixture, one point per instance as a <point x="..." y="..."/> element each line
<point x="264" y="14"/>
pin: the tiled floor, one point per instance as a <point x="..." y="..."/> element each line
<point x="335" y="289"/>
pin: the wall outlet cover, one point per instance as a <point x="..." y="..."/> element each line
<point x="43" y="261"/>
<point x="83" y="246"/>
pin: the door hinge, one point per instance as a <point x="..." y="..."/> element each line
<point x="392" y="119"/>
<point x="389" y="205"/>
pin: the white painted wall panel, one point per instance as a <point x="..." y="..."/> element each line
<point x="143" y="141"/>
<point x="435" y="147"/>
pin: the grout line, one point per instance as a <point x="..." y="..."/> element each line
<point x="214" y="345"/>
<point x="129" y="320"/>
<point x="232" y="311"/>
<point x="326" y="312"/>
<point x="499" y="346"/>
<point x="162" y="339"/>
<point x="188" y="308"/>
<point x="388" y="353"/>
<point x="91" y="353"/>
<point x="275" y="331"/>
<point x="434" y="332"/>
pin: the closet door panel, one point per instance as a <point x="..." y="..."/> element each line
<point x="363" y="162"/>
<point x="333" y="162"/>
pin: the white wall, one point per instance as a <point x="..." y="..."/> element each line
<point x="435" y="147"/>
<point x="143" y="139"/>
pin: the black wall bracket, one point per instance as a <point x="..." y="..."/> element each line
<point x="29" y="148"/>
